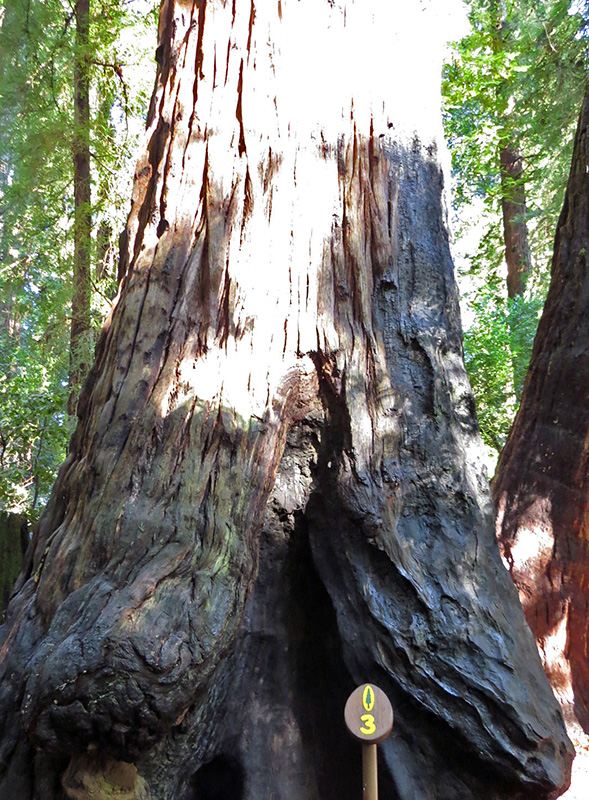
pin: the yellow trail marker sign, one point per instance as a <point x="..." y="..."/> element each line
<point x="369" y="718"/>
<point x="369" y="714"/>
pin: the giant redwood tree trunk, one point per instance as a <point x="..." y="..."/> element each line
<point x="542" y="481"/>
<point x="270" y="496"/>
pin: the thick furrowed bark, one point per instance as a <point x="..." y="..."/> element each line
<point x="282" y="371"/>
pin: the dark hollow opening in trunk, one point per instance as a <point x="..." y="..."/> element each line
<point x="220" y="779"/>
<point x="323" y="683"/>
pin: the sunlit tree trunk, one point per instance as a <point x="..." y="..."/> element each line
<point x="542" y="481"/>
<point x="271" y="495"/>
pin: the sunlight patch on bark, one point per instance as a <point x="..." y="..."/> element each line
<point x="558" y="668"/>
<point x="530" y="552"/>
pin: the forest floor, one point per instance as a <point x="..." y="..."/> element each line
<point x="580" y="777"/>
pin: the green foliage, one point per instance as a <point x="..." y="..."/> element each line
<point x="34" y="427"/>
<point x="37" y="48"/>
<point x="33" y="380"/>
<point x="517" y="79"/>
<point x="498" y="346"/>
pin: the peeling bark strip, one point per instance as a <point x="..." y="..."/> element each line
<point x="269" y="497"/>
<point x="542" y="481"/>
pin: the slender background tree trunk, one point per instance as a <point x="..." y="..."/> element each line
<point x="270" y="496"/>
<point x="513" y="192"/>
<point x="515" y="230"/>
<point x="80" y="344"/>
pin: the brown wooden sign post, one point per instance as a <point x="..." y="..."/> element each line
<point x="369" y="718"/>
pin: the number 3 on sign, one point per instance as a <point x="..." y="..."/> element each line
<point x="369" y="727"/>
<point x="368" y="714"/>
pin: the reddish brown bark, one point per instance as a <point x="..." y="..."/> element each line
<point x="542" y="481"/>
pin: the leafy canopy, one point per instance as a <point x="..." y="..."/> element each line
<point x="517" y="79"/>
<point x="37" y="49"/>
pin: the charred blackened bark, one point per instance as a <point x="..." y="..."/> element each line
<point x="270" y="496"/>
<point x="542" y="481"/>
